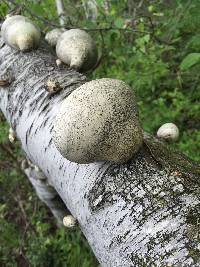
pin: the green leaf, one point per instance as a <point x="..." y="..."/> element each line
<point x="119" y="22"/>
<point x="189" y="61"/>
<point x="99" y="2"/>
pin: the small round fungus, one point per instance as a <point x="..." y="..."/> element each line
<point x="77" y="49"/>
<point x="52" y="36"/>
<point x="11" y="135"/>
<point x="98" y="121"/>
<point x="20" y="33"/>
<point x="69" y="221"/>
<point x="168" y="131"/>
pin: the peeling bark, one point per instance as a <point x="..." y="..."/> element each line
<point x="142" y="213"/>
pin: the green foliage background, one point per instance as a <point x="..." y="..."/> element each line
<point x="161" y="63"/>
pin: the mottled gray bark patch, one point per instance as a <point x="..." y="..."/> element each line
<point x="167" y="156"/>
<point x="162" y="206"/>
<point x="120" y="180"/>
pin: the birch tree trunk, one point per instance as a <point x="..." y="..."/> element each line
<point x="61" y="12"/>
<point x="142" y="213"/>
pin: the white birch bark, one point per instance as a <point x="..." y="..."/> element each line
<point x="61" y="12"/>
<point x="142" y="213"/>
<point x="90" y="8"/>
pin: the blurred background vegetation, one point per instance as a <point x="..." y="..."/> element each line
<point x="154" y="46"/>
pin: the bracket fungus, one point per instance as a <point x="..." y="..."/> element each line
<point x="77" y="49"/>
<point x="52" y="36"/>
<point x="168" y="131"/>
<point x="98" y="121"/>
<point x="20" y="33"/>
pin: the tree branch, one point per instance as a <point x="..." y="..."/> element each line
<point x="142" y="213"/>
<point x="61" y="12"/>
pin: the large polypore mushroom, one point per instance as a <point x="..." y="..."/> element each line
<point x="98" y="121"/>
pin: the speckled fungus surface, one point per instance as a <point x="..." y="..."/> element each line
<point x="98" y="121"/>
<point x="20" y="33"/>
<point x="77" y="49"/>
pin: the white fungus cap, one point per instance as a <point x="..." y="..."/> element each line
<point x="69" y="221"/>
<point x="168" y="131"/>
<point x="11" y="135"/>
<point x="20" y="33"/>
<point x="98" y="121"/>
<point x="77" y="49"/>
